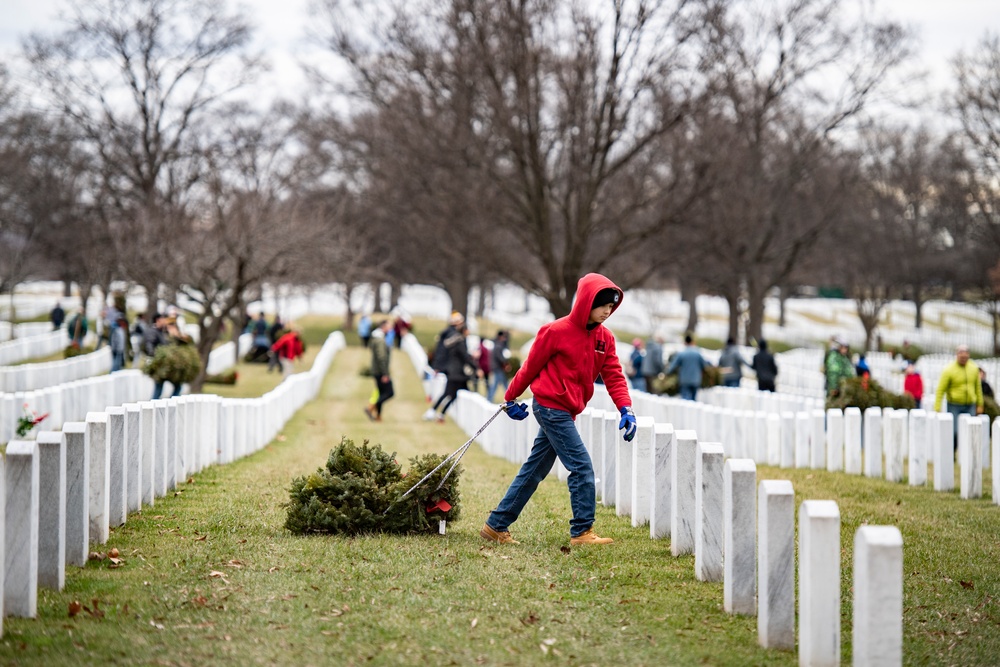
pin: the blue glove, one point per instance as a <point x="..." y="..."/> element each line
<point x="515" y="410"/>
<point x="627" y="423"/>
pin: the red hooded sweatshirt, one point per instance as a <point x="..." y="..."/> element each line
<point x="566" y="357"/>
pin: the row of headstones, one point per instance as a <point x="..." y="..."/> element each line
<point x="740" y="533"/>
<point x="71" y="401"/>
<point x="896" y="444"/>
<point x="755" y="400"/>
<point x="30" y="377"/>
<point x="38" y="344"/>
<point x="66" y="490"/>
<point x="10" y="331"/>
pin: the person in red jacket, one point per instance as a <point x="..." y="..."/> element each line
<point x="288" y="348"/>
<point x="566" y="358"/>
<point x="913" y="384"/>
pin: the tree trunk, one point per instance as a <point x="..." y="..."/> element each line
<point x="918" y="301"/>
<point x="209" y="329"/>
<point x="395" y="291"/>
<point x="349" y="316"/>
<point x="690" y="296"/>
<point x="67" y="287"/>
<point x="755" y="311"/>
<point x="480" y="300"/>
<point x="782" y="299"/>
<point x="869" y="305"/>
<point x="458" y="292"/>
<point x="733" y="299"/>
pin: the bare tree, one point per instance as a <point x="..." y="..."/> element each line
<point x="252" y="231"/>
<point x="557" y="108"/>
<point x="789" y="75"/>
<point x="138" y="78"/>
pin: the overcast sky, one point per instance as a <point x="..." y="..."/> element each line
<point x="943" y="26"/>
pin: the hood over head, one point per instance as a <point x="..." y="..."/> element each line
<point x="586" y="291"/>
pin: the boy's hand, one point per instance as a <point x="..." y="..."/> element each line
<point x="516" y="411"/>
<point x="627" y="423"/>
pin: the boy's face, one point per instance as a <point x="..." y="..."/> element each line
<point x="601" y="313"/>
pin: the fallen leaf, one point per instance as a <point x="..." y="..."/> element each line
<point x="190" y="480"/>
<point x="96" y="612"/>
<point x="531" y="619"/>
<point x="115" y="563"/>
<point x="75" y="608"/>
<point x="155" y="624"/>
<point x="565" y="550"/>
<point x="96" y="555"/>
<point x="271" y="570"/>
<point x="289" y="597"/>
<point x="967" y="584"/>
<point x="113" y="553"/>
<point x="336" y="612"/>
<point x="280" y="438"/>
<point x="549" y="642"/>
<point x="475" y="622"/>
<point x="200" y="601"/>
<point x="201" y="539"/>
<point x="235" y="563"/>
<point x="545" y="649"/>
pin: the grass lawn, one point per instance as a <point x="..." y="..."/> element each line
<point x="210" y="577"/>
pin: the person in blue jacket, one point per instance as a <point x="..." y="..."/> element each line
<point x="689" y="365"/>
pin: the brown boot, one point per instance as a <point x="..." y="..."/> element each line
<point x="589" y="537"/>
<point x="498" y="536"/>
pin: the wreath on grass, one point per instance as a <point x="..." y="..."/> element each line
<point x="359" y="489"/>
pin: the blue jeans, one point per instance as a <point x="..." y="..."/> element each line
<point x="689" y="391"/>
<point x="158" y="390"/>
<point x="556" y="437"/>
<point x="731" y="382"/>
<point x="955" y="411"/>
<point x="497" y="378"/>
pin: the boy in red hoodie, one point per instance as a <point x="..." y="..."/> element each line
<point x="566" y="358"/>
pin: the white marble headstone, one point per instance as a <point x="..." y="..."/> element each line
<point x="77" y="493"/>
<point x="642" y="463"/>
<point x="873" y="442"/>
<point x="943" y="439"/>
<point x="852" y="441"/>
<point x="20" y="591"/>
<point x="118" y="466"/>
<point x="659" y="516"/>
<point x="133" y="446"/>
<point x="51" y="509"/>
<point x="819" y="583"/>
<point x="100" y="476"/>
<point x="708" y="534"/>
<point x="878" y="597"/>
<point x="776" y="564"/>
<point x="683" y="462"/>
<point x="917" y="463"/>
<point x="739" y="507"/>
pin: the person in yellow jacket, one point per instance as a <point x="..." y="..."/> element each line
<point x="960" y="384"/>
